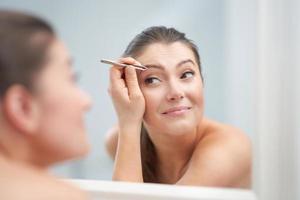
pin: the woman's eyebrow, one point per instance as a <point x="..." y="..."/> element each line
<point x="185" y="61"/>
<point x="160" y="67"/>
<point x="157" y="66"/>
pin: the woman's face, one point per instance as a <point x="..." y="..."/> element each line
<point x="172" y="87"/>
<point x="61" y="106"/>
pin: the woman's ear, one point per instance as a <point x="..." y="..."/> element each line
<point x="20" y="109"/>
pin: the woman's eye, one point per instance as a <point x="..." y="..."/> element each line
<point x="152" y="80"/>
<point x="187" y="74"/>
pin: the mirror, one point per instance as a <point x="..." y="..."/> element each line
<point x="224" y="32"/>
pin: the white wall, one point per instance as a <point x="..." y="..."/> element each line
<point x="277" y="106"/>
<point x="240" y="63"/>
<point x="263" y="42"/>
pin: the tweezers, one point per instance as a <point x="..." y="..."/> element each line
<point x="139" y="67"/>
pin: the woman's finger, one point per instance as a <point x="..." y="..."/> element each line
<point x="117" y="83"/>
<point x="132" y="82"/>
<point x="127" y="60"/>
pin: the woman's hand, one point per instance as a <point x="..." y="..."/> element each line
<point x="129" y="103"/>
<point x="125" y="92"/>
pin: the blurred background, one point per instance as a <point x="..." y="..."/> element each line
<point x="250" y="56"/>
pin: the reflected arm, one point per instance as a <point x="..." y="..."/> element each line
<point x="128" y="165"/>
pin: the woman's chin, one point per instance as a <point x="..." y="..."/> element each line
<point x="173" y="127"/>
<point x="80" y="151"/>
<point x="179" y="128"/>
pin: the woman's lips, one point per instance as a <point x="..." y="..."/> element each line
<point x="175" y="111"/>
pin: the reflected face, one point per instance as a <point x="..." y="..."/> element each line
<point x="61" y="106"/>
<point x="172" y="87"/>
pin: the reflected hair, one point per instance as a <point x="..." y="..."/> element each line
<point x="24" y="40"/>
<point x="152" y="35"/>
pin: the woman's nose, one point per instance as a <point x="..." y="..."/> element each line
<point x="175" y="92"/>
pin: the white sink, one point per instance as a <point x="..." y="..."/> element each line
<point x="110" y="190"/>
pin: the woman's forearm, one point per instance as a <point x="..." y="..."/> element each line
<point x="129" y="103"/>
<point x="128" y="165"/>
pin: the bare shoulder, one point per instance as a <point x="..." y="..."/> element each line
<point x="227" y="135"/>
<point x="225" y="151"/>
<point x="18" y="183"/>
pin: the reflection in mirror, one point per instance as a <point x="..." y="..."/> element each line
<point x="162" y="135"/>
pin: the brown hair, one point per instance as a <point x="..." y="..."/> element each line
<point x="24" y="40"/>
<point x="151" y="35"/>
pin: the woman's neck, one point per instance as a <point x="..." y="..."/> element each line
<point x="13" y="162"/>
<point x="174" y="153"/>
<point x="15" y="149"/>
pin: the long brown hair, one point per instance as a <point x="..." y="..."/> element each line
<point x="24" y="40"/>
<point x="151" y="35"/>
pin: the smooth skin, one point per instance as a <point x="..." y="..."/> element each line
<point x="191" y="149"/>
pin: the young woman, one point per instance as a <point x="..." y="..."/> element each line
<point x="41" y="110"/>
<point x="162" y="135"/>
